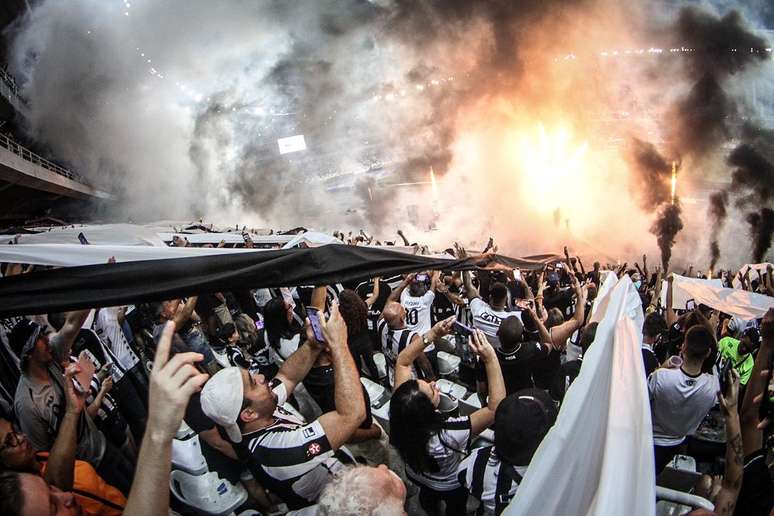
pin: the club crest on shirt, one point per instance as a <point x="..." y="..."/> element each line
<point x="313" y="449"/>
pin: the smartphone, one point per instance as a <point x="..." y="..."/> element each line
<point x="82" y="239"/>
<point x="517" y="274"/>
<point x="421" y="278"/>
<point x="461" y="329"/>
<point x="314" y="320"/>
<point x="259" y="324"/>
<point x="723" y="377"/>
<point x="690" y="304"/>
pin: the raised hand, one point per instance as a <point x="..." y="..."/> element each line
<point x="481" y="346"/>
<point x="76" y="401"/>
<point x="334" y="329"/>
<point x="172" y="382"/>
<point x="728" y="399"/>
<point x="444" y="327"/>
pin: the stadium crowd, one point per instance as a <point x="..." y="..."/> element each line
<point x="273" y="382"/>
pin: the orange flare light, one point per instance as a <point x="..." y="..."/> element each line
<point x="433" y="185"/>
<point x="674" y="180"/>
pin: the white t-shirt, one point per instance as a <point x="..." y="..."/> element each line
<point x="678" y="403"/>
<point x="487" y="319"/>
<point x="418" y="312"/>
<point x="109" y="331"/>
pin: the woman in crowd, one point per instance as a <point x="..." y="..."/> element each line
<point x="431" y="446"/>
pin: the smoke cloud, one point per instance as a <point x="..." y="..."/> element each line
<point x="536" y="132"/>
<point x="761" y="230"/>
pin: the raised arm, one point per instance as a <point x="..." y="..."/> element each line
<point x="484" y="417"/>
<point x="452" y="297"/>
<point x="402" y="236"/>
<point x="559" y="334"/>
<point x="395" y="294"/>
<point x="370" y="300"/>
<point x="435" y="279"/>
<point x="62" y="342"/>
<point x="415" y="348"/>
<point x="182" y="315"/>
<point x="732" y="478"/>
<point x="172" y="382"/>
<point x="297" y="365"/>
<point x="61" y="460"/>
<point x="656" y="291"/>
<point x="94" y="406"/>
<point x="671" y="315"/>
<point x="471" y="292"/>
<point x="752" y="437"/>
<point x="350" y="412"/>
<point x="645" y="265"/>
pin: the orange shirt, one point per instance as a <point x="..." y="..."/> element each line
<point x="96" y="496"/>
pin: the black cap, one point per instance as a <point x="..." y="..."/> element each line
<point x="521" y="421"/>
<point x="23" y="337"/>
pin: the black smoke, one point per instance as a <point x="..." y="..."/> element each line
<point x="652" y="175"/>
<point x="667" y="225"/>
<point x="717" y="213"/>
<point x="708" y="115"/>
<point x="761" y="231"/>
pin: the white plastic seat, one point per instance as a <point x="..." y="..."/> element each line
<point x="456" y="390"/>
<point x="447" y="363"/>
<point x="187" y="454"/>
<point x="207" y="493"/>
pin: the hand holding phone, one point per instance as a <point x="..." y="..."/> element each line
<point x="86" y="371"/>
<point x="461" y="329"/>
<point x="314" y="321"/>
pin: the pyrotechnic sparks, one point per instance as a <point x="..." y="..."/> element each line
<point x="674" y="181"/>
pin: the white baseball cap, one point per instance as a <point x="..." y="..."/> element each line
<point x="222" y="398"/>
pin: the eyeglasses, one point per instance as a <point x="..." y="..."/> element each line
<point x="12" y="440"/>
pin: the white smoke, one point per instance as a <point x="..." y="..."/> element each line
<point x="177" y="105"/>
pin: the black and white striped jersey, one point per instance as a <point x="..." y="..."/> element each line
<point x="490" y="480"/>
<point x="291" y="458"/>
<point x="393" y="342"/>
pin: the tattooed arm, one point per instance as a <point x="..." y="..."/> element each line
<point x="725" y="502"/>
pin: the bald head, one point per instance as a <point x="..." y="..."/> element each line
<point x="394" y="314"/>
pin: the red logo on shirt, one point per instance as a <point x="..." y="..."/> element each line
<point x="313" y="449"/>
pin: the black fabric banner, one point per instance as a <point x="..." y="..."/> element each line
<point x="117" y="284"/>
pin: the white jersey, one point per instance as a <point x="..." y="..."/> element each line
<point x="678" y="403"/>
<point x="109" y="331"/>
<point x="448" y="447"/>
<point x="418" y="312"/>
<point x="487" y="319"/>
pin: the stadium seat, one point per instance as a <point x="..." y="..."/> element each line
<point x="206" y="494"/>
<point x="448" y="364"/>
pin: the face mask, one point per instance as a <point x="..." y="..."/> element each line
<point x="637" y="284"/>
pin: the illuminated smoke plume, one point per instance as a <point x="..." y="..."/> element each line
<point x="652" y="174"/>
<point x="178" y="105"/>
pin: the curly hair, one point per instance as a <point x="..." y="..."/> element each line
<point x="354" y="311"/>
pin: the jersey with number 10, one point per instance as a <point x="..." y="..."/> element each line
<point x="418" y="311"/>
